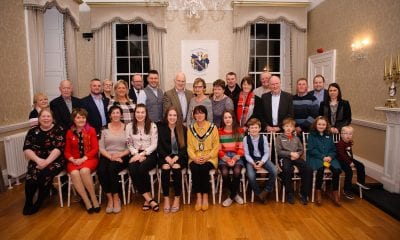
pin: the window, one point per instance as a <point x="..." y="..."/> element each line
<point x="131" y="51"/>
<point x="265" y="49"/>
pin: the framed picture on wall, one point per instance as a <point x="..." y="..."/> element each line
<point x="199" y="58"/>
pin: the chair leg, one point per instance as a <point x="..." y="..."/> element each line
<point x="243" y="180"/>
<point x="213" y="187"/>
<point x="276" y="191"/>
<point x="183" y="187"/>
<point x="69" y="191"/>
<point x="189" y="186"/>
<point x="129" y="188"/>
<point x="159" y="186"/>
<point x="60" y="191"/>
<point x="123" y="188"/>
<point x="220" y="181"/>
<point x="283" y="193"/>
<point x="313" y="186"/>
<point x="361" y="192"/>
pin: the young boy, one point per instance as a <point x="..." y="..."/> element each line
<point x="345" y="156"/>
<point x="290" y="150"/>
<point x="256" y="152"/>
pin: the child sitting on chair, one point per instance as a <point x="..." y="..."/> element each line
<point x="347" y="162"/>
<point x="256" y="152"/>
<point x="290" y="150"/>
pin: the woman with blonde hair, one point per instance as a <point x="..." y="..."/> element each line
<point x="40" y="101"/>
<point x="122" y="100"/>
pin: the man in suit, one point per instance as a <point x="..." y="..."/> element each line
<point x="178" y="96"/>
<point x="154" y="97"/>
<point x="274" y="106"/>
<point x="136" y="93"/>
<point x="62" y="106"/>
<point x="96" y="106"/>
<point x="319" y="91"/>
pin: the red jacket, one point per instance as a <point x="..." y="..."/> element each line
<point x="344" y="151"/>
<point x="90" y="142"/>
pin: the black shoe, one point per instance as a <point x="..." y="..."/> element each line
<point x="303" y="199"/>
<point x="290" y="198"/>
<point x="96" y="209"/>
<point x="27" y="209"/>
<point x="262" y="197"/>
<point x="349" y="195"/>
<point x="90" y="210"/>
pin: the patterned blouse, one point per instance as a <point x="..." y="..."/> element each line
<point x="141" y="141"/>
<point x="128" y="109"/>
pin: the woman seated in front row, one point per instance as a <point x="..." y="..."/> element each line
<point x="172" y="156"/>
<point x="230" y="155"/>
<point x="81" y="151"/>
<point x="203" y="146"/>
<point x="142" y="137"/>
<point x="42" y="147"/>
<point x="113" y="158"/>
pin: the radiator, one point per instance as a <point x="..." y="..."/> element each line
<point x="15" y="157"/>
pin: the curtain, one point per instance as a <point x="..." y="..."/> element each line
<point x="103" y="52"/>
<point x="286" y="75"/>
<point x="156" y="46"/>
<point x="298" y="45"/>
<point x="241" y="54"/>
<point x="70" y="52"/>
<point x="36" y="48"/>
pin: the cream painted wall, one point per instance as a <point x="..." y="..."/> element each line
<point x="180" y="28"/>
<point x="15" y="89"/>
<point x="335" y="24"/>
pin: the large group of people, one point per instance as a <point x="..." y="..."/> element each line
<point x="141" y="128"/>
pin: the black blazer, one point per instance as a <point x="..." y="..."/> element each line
<point x="263" y="109"/>
<point x="132" y="95"/>
<point x="343" y="113"/>
<point x="61" y="113"/>
<point x="164" y="144"/>
<point x="94" y="117"/>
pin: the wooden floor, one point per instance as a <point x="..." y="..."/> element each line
<point x="356" y="219"/>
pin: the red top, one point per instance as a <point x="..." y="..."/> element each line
<point x="228" y="143"/>
<point x="90" y="148"/>
<point x="344" y="151"/>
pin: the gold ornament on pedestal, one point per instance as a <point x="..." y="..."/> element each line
<point x="392" y="78"/>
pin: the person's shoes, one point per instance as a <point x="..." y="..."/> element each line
<point x="303" y="199"/>
<point x="238" y="199"/>
<point x="174" y="209"/>
<point x="96" y="209"/>
<point x="90" y="210"/>
<point x="227" y="202"/>
<point x="262" y="197"/>
<point x="109" y="210"/>
<point x="318" y="197"/>
<point x="363" y="186"/>
<point x="204" y="207"/>
<point x="290" y="198"/>
<point x="336" y="198"/>
<point x="117" y="209"/>
<point x="349" y="195"/>
<point x="146" y="207"/>
<point x="155" y="207"/>
<point x="167" y="209"/>
<point x="197" y="207"/>
<point x="27" y="208"/>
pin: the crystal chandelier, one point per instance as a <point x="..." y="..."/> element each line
<point x="193" y="7"/>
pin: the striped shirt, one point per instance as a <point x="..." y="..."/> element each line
<point x="229" y="144"/>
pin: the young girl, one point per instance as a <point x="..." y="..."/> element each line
<point x="230" y="155"/>
<point x="346" y="160"/>
<point x="321" y="154"/>
<point x="290" y="151"/>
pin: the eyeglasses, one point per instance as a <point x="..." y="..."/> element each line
<point x="198" y="87"/>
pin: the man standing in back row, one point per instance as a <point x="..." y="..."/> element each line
<point x="62" y="106"/>
<point x="232" y="89"/>
<point x="154" y="97"/>
<point x="178" y="96"/>
<point x="319" y="91"/>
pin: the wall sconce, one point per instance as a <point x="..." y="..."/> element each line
<point x="357" y="49"/>
<point x="87" y="36"/>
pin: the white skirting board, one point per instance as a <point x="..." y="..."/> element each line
<point x="372" y="169"/>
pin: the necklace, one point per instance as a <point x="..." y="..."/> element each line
<point x="199" y="138"/>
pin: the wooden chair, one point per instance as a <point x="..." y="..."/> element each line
<point x="212" y="173"/>
<point x="70" y="184"/>
<point x="242" y="183"/>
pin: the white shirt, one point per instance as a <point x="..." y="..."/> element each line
<point x="141" y="96"/>
<point x="275" y="107"/>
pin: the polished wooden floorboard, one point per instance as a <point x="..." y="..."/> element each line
<point x="356" y="219"/>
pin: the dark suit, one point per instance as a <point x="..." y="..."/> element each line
<point x="264" y="109"/>
<point x="132" y="95"/>
<point x="171" y="99"/>
<point x="94" y="117"/>
<point x="62" y="116"/>
<point x="343" y="113"/>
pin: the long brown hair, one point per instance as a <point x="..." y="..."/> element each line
<point x="235" y="125"/>
<point x="180" y="132"/>
<point x="147" y="121"/>
<point x="328" y="126"/>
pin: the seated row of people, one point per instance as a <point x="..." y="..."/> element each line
<point x="138" y="147"/>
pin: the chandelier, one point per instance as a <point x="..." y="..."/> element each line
<point x="193" y="7"/>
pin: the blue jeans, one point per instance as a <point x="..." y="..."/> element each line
<point x="251" y="175"/>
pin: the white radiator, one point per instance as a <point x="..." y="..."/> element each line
<point x="15" y="157"/>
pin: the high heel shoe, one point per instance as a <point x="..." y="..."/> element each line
<point x="117" y="209"/>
